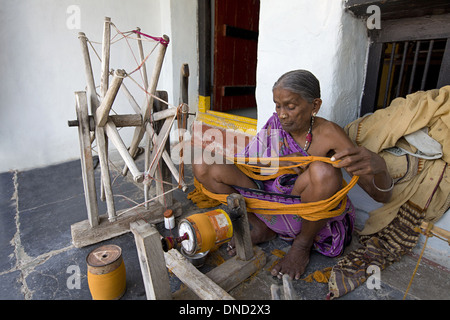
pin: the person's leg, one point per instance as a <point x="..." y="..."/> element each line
<point x="319" y="182"/>
<point x="219" y="178"/>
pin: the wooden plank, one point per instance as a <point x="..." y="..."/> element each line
<point x="102" y="112"/>
<point x="163" y="173"/>
<point x="241" y="229"/>
<point x="120" y="120"/>
<point x="163" y="114"/>
<point x="106" y="190"/>
<point x="166" y="157"/>
<point x="142" y="57"/>
<point x="157" y="116"/>
<point x="87" y="165"/>
<point x="100" y="135"/>
<point x="199" y="283"/>
<point x="229" y="274"/>
<point x="425" y="28"/>
<point x="398" y="9"/>
<point x="106" y="48"/>
<point x="151" y="260"/>
<point x="235" y="270"/>
<point x="159" y="146"/>
<point x="289" y="292"/>
<point x="184" y="84"/>
<point x="146" y="111"/>
<point x="112" y="133"/>
<point x="84" y="235"/>
<point x="275" y="292"/>
<point x="436" y="230"/>
<point x="131" y="99"/>
<point x="126" y="120"/>
<point x="106" y="193"/>
<point x="90" y="83"/>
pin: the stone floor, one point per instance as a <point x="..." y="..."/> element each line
<point x="37" y="208"/>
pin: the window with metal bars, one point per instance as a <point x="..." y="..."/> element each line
<point x="409" y="66"/>
<point x="406" y="56"/>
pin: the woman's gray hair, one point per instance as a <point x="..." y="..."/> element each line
<point x="301" y="82"/>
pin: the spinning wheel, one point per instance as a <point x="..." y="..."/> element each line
<point x="95" y="122"/>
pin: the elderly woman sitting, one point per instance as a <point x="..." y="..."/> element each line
<point x="296" y="130"/>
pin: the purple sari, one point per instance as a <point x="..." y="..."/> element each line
<point x="273" y="141"/>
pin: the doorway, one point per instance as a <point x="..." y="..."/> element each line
<point x="228" y="44"/>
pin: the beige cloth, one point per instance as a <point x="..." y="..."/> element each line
<point x="415" y="178"/>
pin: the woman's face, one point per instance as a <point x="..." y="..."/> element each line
<point x="293" y="111"/>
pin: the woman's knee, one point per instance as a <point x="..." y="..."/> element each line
<point x="324" y="175"/>
<point x="200" y="171"/>
<point x="214" y="172"/>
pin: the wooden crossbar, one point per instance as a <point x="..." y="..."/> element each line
<point x="103" y="110"/>
<point x="160" y="145"/>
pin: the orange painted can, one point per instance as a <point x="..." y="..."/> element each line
<point x="205" y="231"/>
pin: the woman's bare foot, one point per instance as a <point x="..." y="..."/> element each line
<point x="294" y="263"/>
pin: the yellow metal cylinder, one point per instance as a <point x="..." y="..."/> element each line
<point x="206" y="230"/>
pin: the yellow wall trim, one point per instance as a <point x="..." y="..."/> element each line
<point x="204" y="103"/>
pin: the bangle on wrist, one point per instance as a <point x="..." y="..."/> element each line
<point x="383" y="190"/>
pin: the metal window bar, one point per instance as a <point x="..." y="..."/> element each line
<point x="407" y="68"/>
<point x="427" y="65"/>
<point x="388" y="83"/>
<point x="402" y="68"/>
<point x="413" y="72"/>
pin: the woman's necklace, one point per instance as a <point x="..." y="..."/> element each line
<point x="309" y="135"/>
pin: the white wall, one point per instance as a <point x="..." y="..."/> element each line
<point x="42" y="67"/>
<point x="320" y="37"/>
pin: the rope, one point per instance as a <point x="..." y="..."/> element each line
<point x="428" y="231"/>
<point x="312" y="211"/>
<point x="428" y="234"/>
<point x="161" y="40"/>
